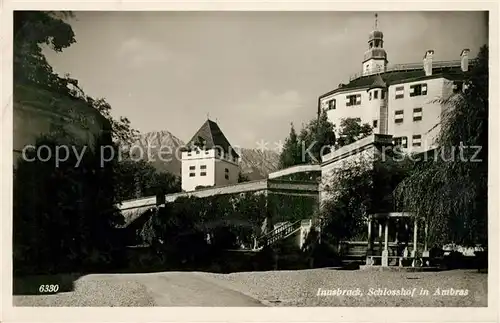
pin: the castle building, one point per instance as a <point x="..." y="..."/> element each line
<point x="404" y="100"/>
<point x="209" y="160"/>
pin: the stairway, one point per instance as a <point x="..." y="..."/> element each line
<point x="282" y="232"/>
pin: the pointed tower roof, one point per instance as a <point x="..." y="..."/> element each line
<point x="210" y="136"/>
<point x="378" y="83"/>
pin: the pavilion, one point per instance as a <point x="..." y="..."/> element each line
<point x="390" y="251"/>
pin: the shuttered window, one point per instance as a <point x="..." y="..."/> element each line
<point x="400" y="92"/>
<point x="417" y="114"/>
<point x="398" y="116"/>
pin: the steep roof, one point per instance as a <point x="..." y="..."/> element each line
<point x="399" y="76"/>
<point x="378" y="83"/>
<point x="210" y="136"/>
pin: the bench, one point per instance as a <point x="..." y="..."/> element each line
<point x="399" y="260"/>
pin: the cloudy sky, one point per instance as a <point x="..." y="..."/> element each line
<point x="253" y="72"/>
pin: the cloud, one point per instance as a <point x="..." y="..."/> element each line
<point x="139" y="52"/>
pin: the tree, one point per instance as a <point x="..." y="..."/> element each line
<point x="450" y="189"/>
<point x="242" y="178"/>
<point x="63" y="215"/>
<point x="317" y="139"/>
<point x="31" y="30"/>
<point x="122" y="130"/>
<point x="135" y="179"/>
<point x="359" y="188"/>
<point x="290" y="155"/>
<point x="34" y="29"/>
<point x="352" y="130"/>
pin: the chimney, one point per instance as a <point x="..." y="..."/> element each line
<point x="428" y="62"/>
<point x="464" y="62"/>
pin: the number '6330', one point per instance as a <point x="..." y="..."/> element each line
<point x="48" y="288"/>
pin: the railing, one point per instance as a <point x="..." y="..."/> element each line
<point x="409" y="66"/>
<point x="279" y="233"/>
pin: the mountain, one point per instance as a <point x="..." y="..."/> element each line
<point x="160" y="149"/>
<point x="164" y="147"/>
<point x="256" y="164"/>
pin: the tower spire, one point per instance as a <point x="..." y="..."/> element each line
<point x="376" y="21"/>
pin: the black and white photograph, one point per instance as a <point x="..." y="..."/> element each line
<point x="180" y="158"/>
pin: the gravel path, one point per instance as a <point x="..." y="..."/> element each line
<point x="152" y="289"/>
<point x="300" y="288"/>
<point x="272" y="288"/>
<point x="94" y="290"/>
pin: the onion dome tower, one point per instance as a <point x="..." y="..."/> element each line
<point x="375" y="59"/>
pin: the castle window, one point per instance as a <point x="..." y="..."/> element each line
<point x="417" y="114"/>
<point x="382" y="94"/>
<point x="354" y="99"/>
<point x="418" y="89"/>
<point x="192" y="174"/>
<point x="203" y="167"/>
<point x="369" y="96"/>
<point x="331" y="105"/>
<point x="192" y="167"/>
<point x="226" y="170"/>
<point x="375" y="123"/>
<point x="398" y="116"/>
<point x="416" y="140"/>
<point x="189" y="153"/>
<point x="400" y="92"/>
<point x="206" y="152"/>
<point x="401" y="142"/>
<point x="375" y="94"/>
<point x="203" y="174"/>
